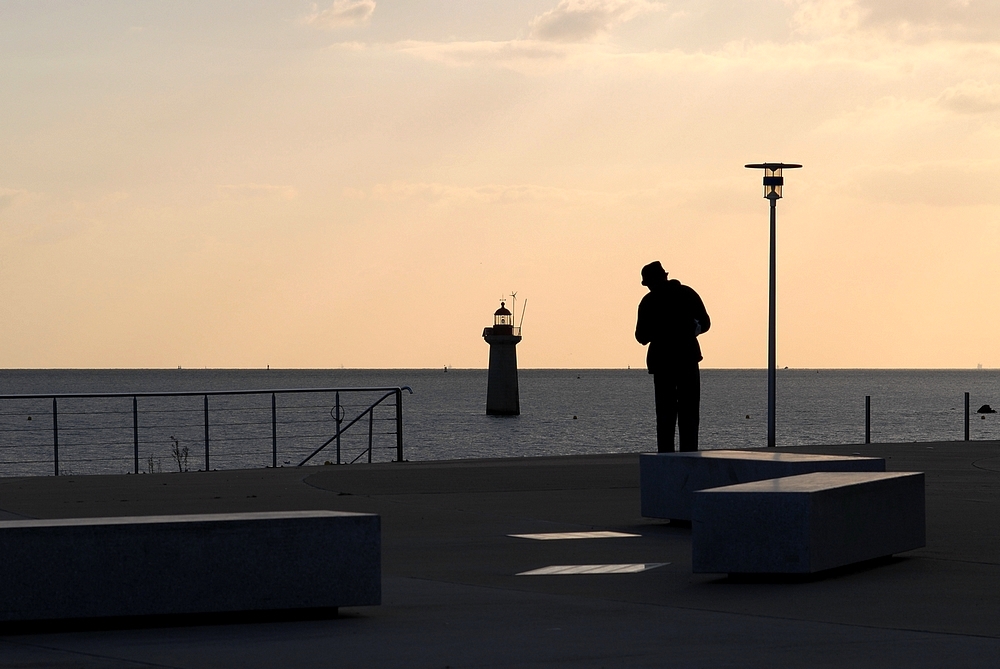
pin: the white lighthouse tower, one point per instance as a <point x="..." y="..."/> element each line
<point x="501" y="393"/>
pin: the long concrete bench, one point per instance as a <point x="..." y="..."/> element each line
<point x="668" y="480"/>
<point x="808" y="523"/>
<point x="162" y="565"/>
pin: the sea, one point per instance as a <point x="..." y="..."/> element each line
<point x="563" y="412"/>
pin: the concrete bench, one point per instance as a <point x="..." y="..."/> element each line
<point x="808" y="523"/>
<point x="185" y="564"/>
<point x="667" y="480"/>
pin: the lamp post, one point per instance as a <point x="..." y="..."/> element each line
<point x="773" y="181"/>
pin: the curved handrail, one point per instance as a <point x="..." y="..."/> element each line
<point x="340" y="430"/>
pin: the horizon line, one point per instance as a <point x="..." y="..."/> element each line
<point x="483" y="369"/>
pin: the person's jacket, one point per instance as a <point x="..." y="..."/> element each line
<point x="671" y="316"/>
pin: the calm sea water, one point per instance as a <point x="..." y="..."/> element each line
<point x="563" y="412"/>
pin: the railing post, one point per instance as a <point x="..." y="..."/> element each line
<point x="371" y="418"/>
<point x="206" y="433"/>
<point x="399" y="425"/>
<point x="868" y="419"/>
<point x="966" y="416"/>
<point x="337" y="417"/>
<point x="274" y="432"/>
<point x="55" y="436"/>
<point x="135" y="432"/>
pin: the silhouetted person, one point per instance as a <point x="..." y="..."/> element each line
<point x="671" y="316"/>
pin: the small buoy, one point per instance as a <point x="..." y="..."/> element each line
<point x="29" y="417"/>
<point x="748" y="415"/>
<point x="574" y="417"/>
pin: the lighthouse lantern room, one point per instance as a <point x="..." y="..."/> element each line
<point x="503" y="320"/>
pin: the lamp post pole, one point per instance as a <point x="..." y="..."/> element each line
<point x="773" y="183"/>
<point x="772" y="345"/>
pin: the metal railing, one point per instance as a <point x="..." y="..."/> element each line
<point x="95" y="422"/>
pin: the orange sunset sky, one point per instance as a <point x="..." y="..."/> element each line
<point x="356" y="183"/>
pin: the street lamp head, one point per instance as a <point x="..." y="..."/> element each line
<point x="773" y="181"/>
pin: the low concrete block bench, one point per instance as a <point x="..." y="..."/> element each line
<point x="808" y="523"/>
<point x="667" y="480"/>
<point x="163" y="565"/>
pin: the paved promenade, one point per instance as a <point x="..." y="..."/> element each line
<point x="452" y="597"/>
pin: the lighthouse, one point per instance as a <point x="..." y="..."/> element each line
<point x="503" y="337"/>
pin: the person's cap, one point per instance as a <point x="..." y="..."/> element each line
<point x="652" y="273"/>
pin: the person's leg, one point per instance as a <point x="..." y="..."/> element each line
<point x="665" y="388"/>
<point x="688" y="405"/>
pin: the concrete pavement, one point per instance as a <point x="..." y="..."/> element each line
<point x="452" y="597"/>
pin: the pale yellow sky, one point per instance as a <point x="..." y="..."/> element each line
<point x="237" y="184"/>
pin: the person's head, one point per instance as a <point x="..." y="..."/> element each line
<point x="653" y="274"/>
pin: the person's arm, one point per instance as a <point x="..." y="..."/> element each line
<point x="700" y="315"/>
<point x="643" y="328"/>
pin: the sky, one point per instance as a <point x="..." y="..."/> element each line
<point x="357" y="183"/>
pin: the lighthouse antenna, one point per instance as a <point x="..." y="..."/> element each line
<point x="523" y="307"/>
<point x="513" y="306"/>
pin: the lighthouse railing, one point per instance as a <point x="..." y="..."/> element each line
<point x="153" y="432"/>
<point x="514" y="331"/>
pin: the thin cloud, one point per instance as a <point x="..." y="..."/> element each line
<point x="563" y="34"/>
<point x="971" y="97"/>
<point x="695" y="194"/>
<point x="8" y="196"/>
<point x="937" y="184"/>
<point x="826" y="17"/>
<point x="586" y="20"/>
<point x="516" y="54"/>
<point x="257" y="191"/>
<point x="886" y="118"/>
<point x="905" y="19"/>
<point x="898" y="116"/>
<point x="975" y="16"/>
<point x="342" y="13"/>
<point x="824" y="33"/>
<point x="439" y="194"/>
<point x="347" y="46"/>
<point x="58" y="230"/>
